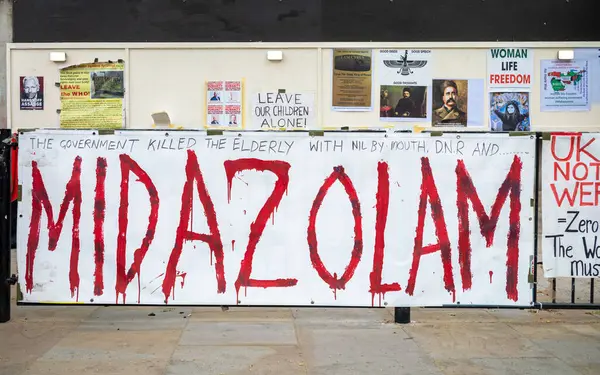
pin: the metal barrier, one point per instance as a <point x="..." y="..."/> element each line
<point x="402" y="314"/>
<point x="5" y="224"/>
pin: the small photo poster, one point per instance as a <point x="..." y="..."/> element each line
<point x="457" y="102"/>
<point x="32" y="93"/>
<point x="405" y="102"/>
<point x="509" y="111"/>
<point x="450" y="102"/>
<point x="405" y="79"/>
<point x="224" y="104"/>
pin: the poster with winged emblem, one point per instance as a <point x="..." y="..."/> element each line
<point x="405" y="85"/>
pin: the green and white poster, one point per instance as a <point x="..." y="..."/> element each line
<point x="565" y="85"/>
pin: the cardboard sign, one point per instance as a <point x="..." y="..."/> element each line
<point x="277" y="110"/>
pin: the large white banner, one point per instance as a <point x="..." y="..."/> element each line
<point x="570" y="196"/>
<point x="285" y="219"/>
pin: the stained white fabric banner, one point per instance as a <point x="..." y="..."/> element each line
<point x="142" y="217"/>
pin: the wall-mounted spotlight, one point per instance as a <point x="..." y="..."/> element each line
<point x="58" y="56"/>
<point x="275" y="55"/>
<point x="566" y="54"/>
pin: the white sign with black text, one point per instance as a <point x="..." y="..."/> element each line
<point x="510" y="68"/>
<point x="274" y="110"/>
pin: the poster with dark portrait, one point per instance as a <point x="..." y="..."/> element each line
<point x="31" y="92"/>
<point x="509" y="111"/>
<point x="450" y="102"/>
<point x="403" y="101"/>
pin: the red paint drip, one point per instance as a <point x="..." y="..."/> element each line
<point x="383" y="196"/>
<point x="281" y="170"/>
<point x="334" y="282"/>
<point x="491" y="275"/>
<point x="429" y="190"/>
<point x="487" y="224"/>
<point x="453" y="296"/>
<point x="40" y="200"/>
<point x="244" y="212"/>
<point x="194" y="174"/>
<point x="334" y="289"/>
<point x="128" y="165"/>
<point x="232" y="245"/>
<point x="99" y="214"/>
<point x="182" y="275"/>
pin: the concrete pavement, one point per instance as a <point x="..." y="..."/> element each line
<point x="177" y="341"/>
<point x="62" y="340"/>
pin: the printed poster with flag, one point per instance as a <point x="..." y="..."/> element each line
<point x="565" y="85"/>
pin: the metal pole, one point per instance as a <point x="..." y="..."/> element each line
<point x="5" y="233"/>
<point x="536" y="188"/>
<point x="402" y="315"/>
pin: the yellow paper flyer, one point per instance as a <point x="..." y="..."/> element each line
<point x="91" y="96"/>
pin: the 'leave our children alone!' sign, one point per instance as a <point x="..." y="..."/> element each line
<point x="510" y="68"/>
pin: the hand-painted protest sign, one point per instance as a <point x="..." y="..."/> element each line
<point x="570" y="202"/>
<point x="510" y="69"/>
<point x="279" y="110"/>
<point x="278" y="219"/>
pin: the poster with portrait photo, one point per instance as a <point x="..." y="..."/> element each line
<point x="224" y="104"/>
<point x="450" y="102"/>
<point x="215" y="115"/>
<point x="509" y="111"/>
<point x="31" y="93"/>
<point x="457" y="102"/>
<point x="406" y="102"/>
<point x="404" y="74"/>
<point x="214" y="92"/>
